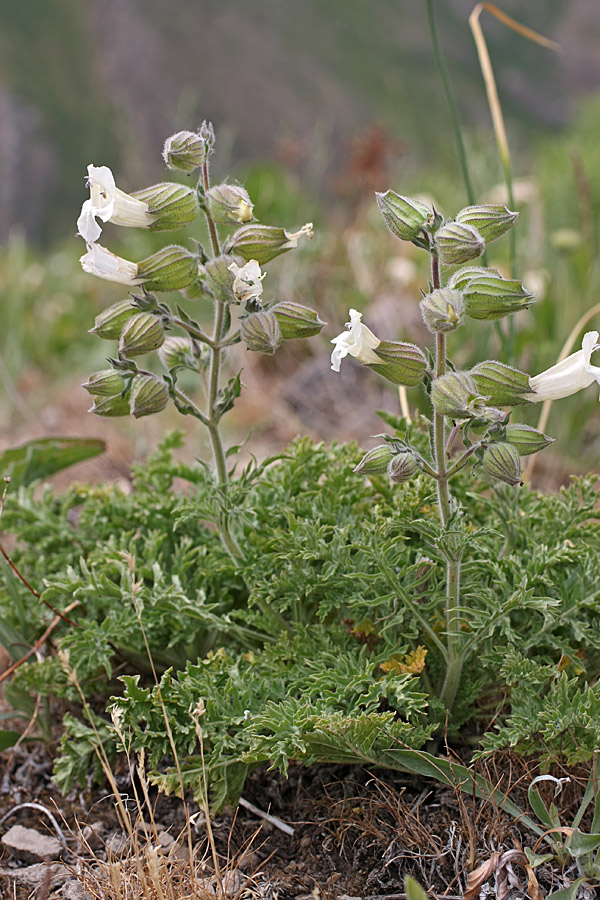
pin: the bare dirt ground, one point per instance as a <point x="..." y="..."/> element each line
<point x="339" y="832"/>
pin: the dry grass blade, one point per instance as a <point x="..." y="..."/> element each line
<point x="488" y="72"/>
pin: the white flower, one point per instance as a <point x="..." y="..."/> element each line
<point x="247" y="280"/>
<point x="359" y="342"/>
<point x="568" y="376"/>
<point x="107" y="202"/>
<point x="101" y="262"/>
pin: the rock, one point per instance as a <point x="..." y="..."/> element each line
<point x="91" y="835"/>
<point x="117" y="844"/>
<point x="30" y="846"/>
<point x="74" y="890"/>
<point x="30" y="878"/>
<point x="165" y="841"/>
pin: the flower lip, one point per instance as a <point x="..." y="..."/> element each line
<point x="247" y="280"/>
<point x="359" y="341"/>
<point x="108" y="203"/>
<point x="569" y="375"/>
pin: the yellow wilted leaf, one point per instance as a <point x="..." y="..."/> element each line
<point x="411" y="664"/>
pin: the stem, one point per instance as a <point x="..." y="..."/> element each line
<point x="453" y="657"/>
<point x="193" y="332"/>
<point x="461" y="461"/>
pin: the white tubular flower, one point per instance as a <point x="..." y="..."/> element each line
<point x="569" y="375"/>
<point x="247" y="282"/>
<point x="108" y="203"/>
<point x="359" y="341"/>
<point x="101" y="262"/>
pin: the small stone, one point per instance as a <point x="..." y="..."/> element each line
<point x="166" y="840"/>
<point x="31" y="877"/>
<point x="116" y="844"/>
<point x="30" y="846"/>
<point x="232" y="883"/>
<point x="92" y="835"/>
<point x="74" y="890"/>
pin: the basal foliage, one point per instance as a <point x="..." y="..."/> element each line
<point x="328" y="647"/>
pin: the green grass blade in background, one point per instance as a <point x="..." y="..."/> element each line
<point x="46" y="456"/>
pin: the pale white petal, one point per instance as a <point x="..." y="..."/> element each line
<point x="569" y="375"/>
<point x="247" y="280"/>
<point x="101" y="262"/>
<point x="87" y="226"/>
<point x="103" y="176"/>
<point x="108" y="203"/>
<point x="359" y="342"/>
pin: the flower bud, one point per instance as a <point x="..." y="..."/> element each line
<point x="109" y="324"/>
<point x="169" y="269"/>
<point x="185" y="151"/>
<point x="376" y="461"/>
<point x="400" y="363"/>
<point x="110" y="406"/>
<point x="220" y="277"/>
<point x="456" y="395"/>
<point x="404" y="216"/>
<point x="458" y="243"/>
<point x="403" y="466"/>
<point x="526" y="440"/>
<point x="227" y="203"/>
<point x="141" y="334"/>
<point x="260" y="331"/>
<point x="442" y="310"/>
<point x="501" y="384"/>
<point x="296" y="321"/>
<point x="502" y="461"/>
<point x="108" y="383"/>
<point x="176" y="351"/>
<point x="149" y="395"/>
<point x="264" y="242"/>
<point x="170" y="205"/>
<point x="489" y="296"/>
<point x="491" y="221"/>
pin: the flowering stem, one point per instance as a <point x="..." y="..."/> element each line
<point x="213" y="416"/>
<point x="453" y="658"/>
<point x="193" y="332"/>
<point x="461" y="461"/>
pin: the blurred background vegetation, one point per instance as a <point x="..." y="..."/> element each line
<point x="316" y="105"/>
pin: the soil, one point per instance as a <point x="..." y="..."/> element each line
<point x="356" y="833"/>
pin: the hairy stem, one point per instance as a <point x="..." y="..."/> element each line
<point x="453" y="656"/>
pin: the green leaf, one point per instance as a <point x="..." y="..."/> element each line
<point x="537" y="859"/>
<point x="418" y="762"/>
<point x="580" y="843"/>
<point x="8" y="739"/>
<point x="568" y="893"/>
<point x="46" y="456"/>
<point x="413" y="889"/>
<point x="545" y="816"/>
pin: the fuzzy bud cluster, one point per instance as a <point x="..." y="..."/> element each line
<point x="398" y="461"/>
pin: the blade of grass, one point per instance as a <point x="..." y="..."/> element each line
<point x="498" y="117"/>
<point x="454" y="115"/>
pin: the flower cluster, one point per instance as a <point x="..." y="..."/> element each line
<point x="475" y="400"/>
<point x="231" y="279"/>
